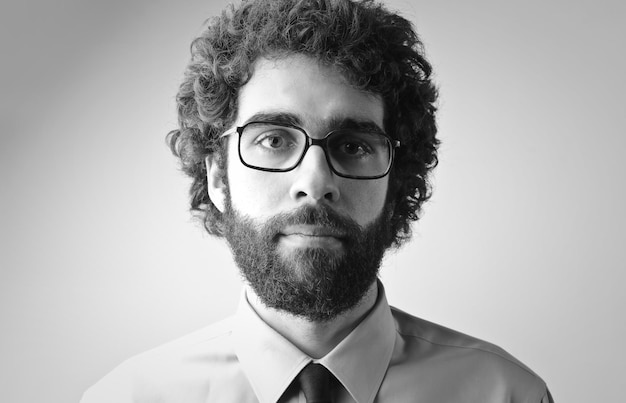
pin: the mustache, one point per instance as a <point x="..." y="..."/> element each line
<point x="322" y="215"/>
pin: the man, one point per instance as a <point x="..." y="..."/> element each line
<point x="308" y="129"/>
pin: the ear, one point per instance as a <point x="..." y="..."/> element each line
<point x="215" y="184"/>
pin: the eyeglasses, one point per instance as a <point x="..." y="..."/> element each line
<point x="350" y="153"/>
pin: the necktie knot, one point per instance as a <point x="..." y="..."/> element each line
<point x="315" y="383"/>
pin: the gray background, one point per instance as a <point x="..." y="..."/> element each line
<point x="522" y="243"/>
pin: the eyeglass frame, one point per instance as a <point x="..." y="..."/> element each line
<point x="311" y="142"/>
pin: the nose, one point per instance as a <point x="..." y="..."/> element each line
<point x="315" y="181"/>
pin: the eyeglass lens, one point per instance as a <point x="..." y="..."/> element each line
<point x="276" y="147"/>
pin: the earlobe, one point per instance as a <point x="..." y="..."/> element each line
<point x="215" y="184"/>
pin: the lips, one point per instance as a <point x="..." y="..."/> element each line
<point x="312" y="231"/>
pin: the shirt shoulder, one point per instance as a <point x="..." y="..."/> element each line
<point x="409" y="326"/>
<point x="475" y="367"/>
<point x="185" y="368"/>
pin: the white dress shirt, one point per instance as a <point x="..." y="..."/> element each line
<point x="389" y="357"/>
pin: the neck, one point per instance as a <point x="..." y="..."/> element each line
<point x="316" y="339"/>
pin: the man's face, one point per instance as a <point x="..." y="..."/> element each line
<point x="291" y="231"/>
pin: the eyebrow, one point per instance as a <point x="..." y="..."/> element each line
<point x="335" y="123"/>
<point x="275" y="117"/>
<point x="355" y="124"/>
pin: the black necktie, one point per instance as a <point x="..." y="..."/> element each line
<point x="315" y="383"/>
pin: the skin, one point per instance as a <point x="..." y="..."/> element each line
<point x="318" y="96"/>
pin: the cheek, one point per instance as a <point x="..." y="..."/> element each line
<point x="366" y="199"/>
<point x="254" y="193"/>
<point x="244" y="186"/>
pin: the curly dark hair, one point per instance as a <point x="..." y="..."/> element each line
<point x="376" y="50"/>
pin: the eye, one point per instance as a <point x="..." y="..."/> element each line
<point x="355" y="148"/>
<point x="351" y="145"/>
<point x="275" y="140"/>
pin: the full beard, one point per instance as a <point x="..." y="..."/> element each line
<point x="313" y="283"/>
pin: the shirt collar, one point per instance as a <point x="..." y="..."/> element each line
<point x="269" y="360"/>
<point x="359" y="361"/>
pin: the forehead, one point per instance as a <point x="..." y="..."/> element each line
<point x="314" y="93"/>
